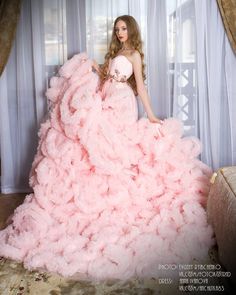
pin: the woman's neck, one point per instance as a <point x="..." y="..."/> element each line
<point x="126" y="47"/>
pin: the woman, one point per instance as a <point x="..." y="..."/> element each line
<point x="131" y="48"/>
<point x="114" y="196"/>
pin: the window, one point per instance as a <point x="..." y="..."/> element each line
<point x="99" y="21"/>
<point x="55" y="32"/>
<point x="182" y="61"/>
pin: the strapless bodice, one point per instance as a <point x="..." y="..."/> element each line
<point x="121" y="68"/>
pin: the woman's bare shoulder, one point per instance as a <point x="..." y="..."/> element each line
<point x="135" y="56"/>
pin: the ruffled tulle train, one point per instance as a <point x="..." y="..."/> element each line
<point x="113" y="196"/>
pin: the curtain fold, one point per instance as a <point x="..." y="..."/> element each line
<point x="75" y="27"/>
<point x="9" y="15"/>
<point x="157" y="57"/>
<point x="228" y="14"/>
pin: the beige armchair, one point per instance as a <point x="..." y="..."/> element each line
<point x="221" y="209"/>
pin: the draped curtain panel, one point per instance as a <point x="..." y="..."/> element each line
<point x="48" y="33"/>
<point x="9" y="15"/>
<point x="228" y="13"/>
<point x="216" y="71"/>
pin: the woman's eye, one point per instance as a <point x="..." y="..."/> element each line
<point x="122" y="29"/>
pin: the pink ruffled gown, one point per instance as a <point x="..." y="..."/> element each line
<point x="113" y="196"/>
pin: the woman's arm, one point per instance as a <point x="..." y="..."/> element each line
<point x="141" y="89"/>
<point x="97" y="68"/>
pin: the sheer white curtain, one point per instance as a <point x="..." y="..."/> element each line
<point x="201" y="67"/>
<point x="22" y="103"/>
<point x="48" y="32"/>
<point x="157" y="58"/>
<point x="216" y="87"/>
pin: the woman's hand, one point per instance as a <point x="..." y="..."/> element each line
<point x="95" y="66"/>
<point x="154" y="119"/>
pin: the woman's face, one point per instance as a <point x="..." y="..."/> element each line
<point x="121" y="31"/>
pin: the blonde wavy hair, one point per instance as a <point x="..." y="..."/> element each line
<point x="135" y="42"/>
